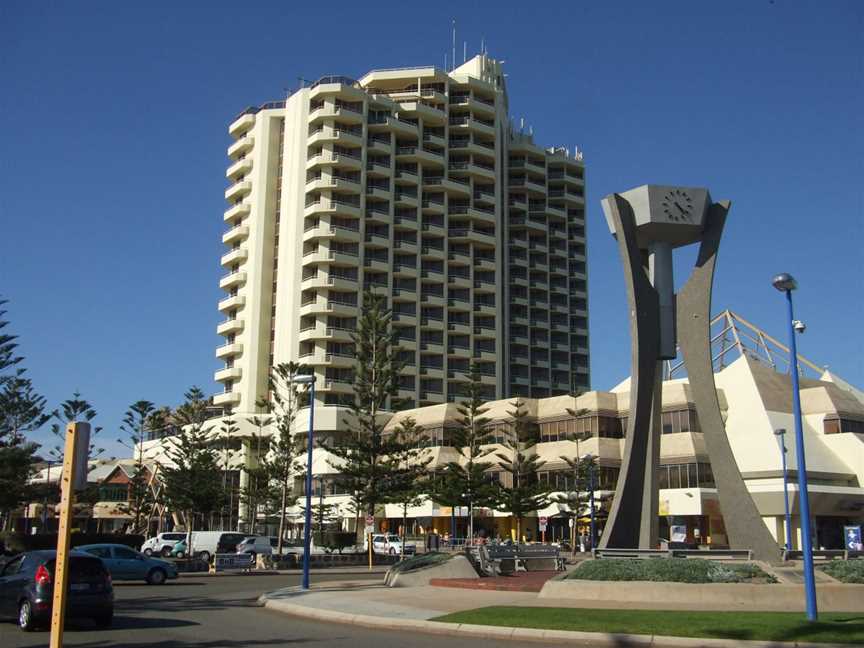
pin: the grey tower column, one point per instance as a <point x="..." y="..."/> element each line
<point x="744" y="526"/>
<point x="633" y="519"/>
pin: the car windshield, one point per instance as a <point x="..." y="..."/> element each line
<point x="393" y="538"/>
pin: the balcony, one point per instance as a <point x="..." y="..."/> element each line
<point x="233" y="373"/>
<point x="331" y="206"/>
<point x="329" y="134"/>
<point x="331" y="111"/>
<point x="419" y="154"/>
<point x="237" y="233"/>
<point x="227" y="398"/>
<point x="234" y="256"/>
<point x="237" y="190"/>
<point x="229" y="350"/>
<point x="231" y="303"/>
<point x="232" y="280"/>
<point x="429" y="114"/>
<point x="330" y="158"/>
<point x="237" y="211"/>
<point x="239" y="168"/>
<point x="230" y="326"/>
<point x="241" y="125"/>
<point x="243" y="145"/>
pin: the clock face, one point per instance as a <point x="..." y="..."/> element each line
<point x="678" y="206"/>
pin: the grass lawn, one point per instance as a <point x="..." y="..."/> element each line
<point x="767" y="626"/>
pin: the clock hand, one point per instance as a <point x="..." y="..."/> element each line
<point x="680" y="208"/>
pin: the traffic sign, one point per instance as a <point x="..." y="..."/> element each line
<point x="370" y="524"/>
<point x="543" y="519"/>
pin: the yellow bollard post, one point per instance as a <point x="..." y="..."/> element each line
<point x="74" y="476"/>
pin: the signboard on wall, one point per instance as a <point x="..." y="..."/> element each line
<point x="852" y="538"/>
<point x="678" y="533"/>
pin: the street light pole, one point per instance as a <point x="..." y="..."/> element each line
<point x="785" y="283"/>
<point x="781" y="437"/>
<point x="307" y="548"/>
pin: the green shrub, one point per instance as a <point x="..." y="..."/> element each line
<point x="20" y="542"/>
<point x="669" y="570"/>
<point x="421" y="561"/>
<point x="846" y="571"/>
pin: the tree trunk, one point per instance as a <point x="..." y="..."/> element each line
<point x="282" y="516"/>
<point x="404" y="524"/>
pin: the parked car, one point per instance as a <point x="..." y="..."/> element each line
<point x="127" y="564"/>
<point x="27" y="589"/>
<point x="255" y="545"/>
<point x="161" y="544"/>
<point x="389" y="543"/>
<point x="178" y="550"/>
<point x="206" y="544"/>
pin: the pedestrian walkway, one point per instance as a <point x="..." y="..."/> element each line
<point x="412" y="608"/>
<point x="518" y="582"/>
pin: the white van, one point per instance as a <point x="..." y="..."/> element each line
<point x="206" y="544"/>
<point x="162" y="543"/>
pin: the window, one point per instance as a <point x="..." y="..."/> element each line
<point x="125" y="554"/>
<point x="841" y="425"/>
<point x="100" y="552"/>
<point x="13" y="566"/>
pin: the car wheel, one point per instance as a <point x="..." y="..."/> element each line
<point x="166" y="552"/>
<point x="148" y="552"/>
<point x="181" y="554"/>
<point x="205" y="556"/>
<point x="104" y="620"/>
<point x="25" y="616"/>
<point x="156" y="577"/>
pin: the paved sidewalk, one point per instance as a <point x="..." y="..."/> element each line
<point x="411" y="608"/>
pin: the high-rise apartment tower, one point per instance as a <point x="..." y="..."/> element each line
<point x="412" y="182"/>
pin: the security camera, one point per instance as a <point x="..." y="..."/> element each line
<point x="799" y="326"/>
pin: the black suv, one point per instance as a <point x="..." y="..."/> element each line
<point x="27" y="589"/>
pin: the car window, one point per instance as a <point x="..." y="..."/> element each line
<point x="174" y="536"/>
<point x="13" y="566"/>
<point x="393" y="538"/>
<point x="100" y="552"/>
<point x="125" y="554"/>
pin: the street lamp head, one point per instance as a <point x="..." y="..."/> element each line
<point x="799" y="326"/>
<point x="589" y="457"/>
<point x="780" y="432"/>
<point x="303" y="379"/>
<point x="784" y="282"/>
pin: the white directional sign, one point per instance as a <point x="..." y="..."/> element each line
<point x="543" y="521"/>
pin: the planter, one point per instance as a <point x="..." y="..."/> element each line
<point x="777" y="597"/>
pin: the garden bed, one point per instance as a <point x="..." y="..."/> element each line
<point x="846" y="571"/>
<point x="670" y="570"/>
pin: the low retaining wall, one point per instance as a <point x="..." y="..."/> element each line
<point x="717" y="596"/>
<point x="456" y="567"/>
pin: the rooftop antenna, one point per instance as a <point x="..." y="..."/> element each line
<point x="483" y="45"/>
<point x="464" y="51"/>
<point x="445" y="61"/>
<point x="454" y="44"/>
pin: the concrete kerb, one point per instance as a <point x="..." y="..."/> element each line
<point x="601" y="639"/>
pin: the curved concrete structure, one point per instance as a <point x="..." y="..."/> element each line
<point x="744" y="526"/>
<point x="649" y="222"/>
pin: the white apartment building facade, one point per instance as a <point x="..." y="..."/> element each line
<point x="411" y="183"/>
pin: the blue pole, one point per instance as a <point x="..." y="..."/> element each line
<point x="803" y="498"/>
<point x="591" y="486"/>
<point x="308" y="521"/>
<point x="786" y="493"/>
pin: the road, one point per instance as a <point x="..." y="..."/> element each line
<point x="221" y="612"/>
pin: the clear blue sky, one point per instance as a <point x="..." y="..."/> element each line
<point x="113" y="157"/>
